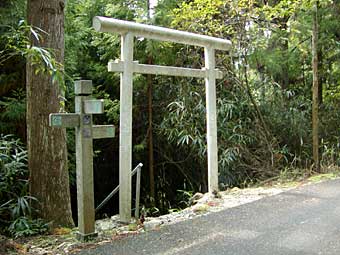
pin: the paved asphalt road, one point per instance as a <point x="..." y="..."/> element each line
<point x="304" y="221"/>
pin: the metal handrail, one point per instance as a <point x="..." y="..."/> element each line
<point x="137" y="170"/>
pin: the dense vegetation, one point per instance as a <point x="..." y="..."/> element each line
<point x="264" y="100"/>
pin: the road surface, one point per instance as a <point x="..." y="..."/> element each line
<point x="303" y="221"/>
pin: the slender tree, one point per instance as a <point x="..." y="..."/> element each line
<point x="315" y="108"/>
<point x="150" y="120"/>
<point x="47" y="154"/>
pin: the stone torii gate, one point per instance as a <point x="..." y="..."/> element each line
<point x="126" y="66"/>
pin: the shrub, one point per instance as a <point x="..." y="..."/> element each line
<point x="15" y="203"/>
<point x="25" y="226"/>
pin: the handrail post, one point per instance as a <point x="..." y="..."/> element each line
<point x="137" y="170"/>
<point x="138" y="177"/>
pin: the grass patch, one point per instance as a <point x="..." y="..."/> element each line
<point x="292" y="177"/>
<point x="132" y="227"/>
<point x="323" y="177"/>
<point x="200" y="208"/>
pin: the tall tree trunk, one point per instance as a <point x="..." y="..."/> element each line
<point x="285" y="64"/>
<point x="283" y="75"/>
<point x="321" y="77"/>
<point x="283" y="45"/>
<point x="150" y="135"/>
<point x="150" y="119"/>
<point x="47" y="154"/>
<point x="315" y="107"/>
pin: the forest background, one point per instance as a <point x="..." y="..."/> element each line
<point x="264" y="101"/>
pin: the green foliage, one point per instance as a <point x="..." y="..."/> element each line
<point x="15" y="205"/>
<point x="13" y="111"/>
<point x="184" y="198"/>
<point x="112" y="110"/>
<point x="13" y="168"/>
<point x="264" y="111"/>
<point x="16" y="42"/>
<point x="24" y="226"/>
<point x="200" y="16"/>
<point x="150" y="212"/>
<point x="11" y="11"/>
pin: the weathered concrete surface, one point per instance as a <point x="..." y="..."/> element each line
<point x="302" y="221"/>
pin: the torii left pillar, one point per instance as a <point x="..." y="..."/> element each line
<point x="125" y="137"/>
<point x="85" y="133"/>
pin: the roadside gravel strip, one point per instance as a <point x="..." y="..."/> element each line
<point x="110" y="229"/>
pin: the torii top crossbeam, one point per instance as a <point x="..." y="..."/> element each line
<point x="111" y="25"/>
<point x="126" y="66"/>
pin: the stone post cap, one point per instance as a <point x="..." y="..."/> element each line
<point x="83" y="87"/>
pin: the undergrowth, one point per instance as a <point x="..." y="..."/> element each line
<point x="15" y="204"/>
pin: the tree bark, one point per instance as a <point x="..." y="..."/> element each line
<point x="321" y="77"/>
<point x="315" y="106"/>
<point x="150" y="134"/>
<point x="150" y="119"/>
<point x="285" y="64"/>
<point x="282" y="22"/>
<point x="47" y="153"/>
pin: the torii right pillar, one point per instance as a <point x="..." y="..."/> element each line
<point x="210" y="87"/>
